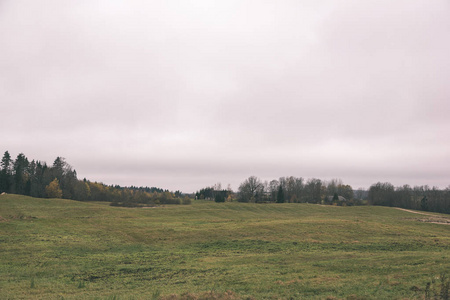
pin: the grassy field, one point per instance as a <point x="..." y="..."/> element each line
<point x="61" y="249"/>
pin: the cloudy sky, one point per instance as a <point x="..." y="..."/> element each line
<point x="182" y="94"/>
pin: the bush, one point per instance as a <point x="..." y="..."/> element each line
<point x="186" y="200"/>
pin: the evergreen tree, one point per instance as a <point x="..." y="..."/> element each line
<point x="219" y="197"/>
<point x="21" y="175"/>
<point x="280" y="195"/>
<point x="424" y="203"/>
<point x="66" y="176"/>
<point x="335" y="197"/>
<point x="58" y="168"/>
<point x="6" y="173"/>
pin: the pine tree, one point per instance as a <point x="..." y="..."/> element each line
<point x="280" y="195"/>
<point x="335" y="198"/>
<point x="5" y="173"/>
<point x="424" y="203"/>
<point x="21" y="175"/>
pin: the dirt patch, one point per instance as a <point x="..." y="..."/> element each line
<point x="431" y="219"/>
<point x="415" y="212"/>
<point x="16" y="217"/>
<point x="442" y="222"/>
<point x="279" y="282"/>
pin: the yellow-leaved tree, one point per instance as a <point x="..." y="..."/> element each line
<point x="53" y="190"/>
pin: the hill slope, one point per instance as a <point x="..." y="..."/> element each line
<point x="52" y="248"/>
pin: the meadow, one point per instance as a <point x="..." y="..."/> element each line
<point x="63" y="249"/>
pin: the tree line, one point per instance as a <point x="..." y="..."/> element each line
<point x="296" y="190"/>
<point x="37" y="179"/>
<point x="417" y="197"/>
<point x="286" y="189"/>
<point x="216" y="193"/>
<point x="334" y="192"/>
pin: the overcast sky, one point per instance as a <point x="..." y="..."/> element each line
<point x="185" y="94"/>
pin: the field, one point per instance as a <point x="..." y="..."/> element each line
<point x="61" y="249"/>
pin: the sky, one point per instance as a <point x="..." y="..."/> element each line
<point x="184" y="94"/>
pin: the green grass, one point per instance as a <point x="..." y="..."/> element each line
<point x="61" y="249"/>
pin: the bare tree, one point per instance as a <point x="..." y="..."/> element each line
<point x="251" y="190"/>
<point x="314" y="190"/>
<point x="273" y="190"/>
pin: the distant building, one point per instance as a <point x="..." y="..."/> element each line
<point x="329" y="199"/>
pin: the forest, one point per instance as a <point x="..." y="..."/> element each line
<point x="333" y="192"/>
<point x="37" y="179"/>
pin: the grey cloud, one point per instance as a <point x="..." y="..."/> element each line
<point x="185" y="94"/>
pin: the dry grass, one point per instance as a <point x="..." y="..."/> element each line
<point x="79" y="250"/>
<point x="228" y="295"/>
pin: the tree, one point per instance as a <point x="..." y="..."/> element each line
<point x="66" y="175"/>
<point x="39" y="179"/>
<point x="381" y="194"/>
<point x="335" y="198"/>
<point x="313" y="190"/>
<point x="98" y="191"/>
<point x="220" y="196"/>
<point x="53" y="190"/>
<point x="332" y="186"/>
<point x="21" y="175"/>
<point x="424" y="203"/>
<point x="345" y="191"/>
<point x="299" y="189"/>
<point x="273" y="190"/>
<point x="290" y="187"/>
<point x="403" y="197"/>
<point x="5" y="173"/>
<point x="6" y="163"/>
<point x="251" y="190"/>
<point x="82" y="191"/>
<point x="205" y="193"/>
<point x="360" y="194"/>
<point x="186" y="200"/>
<point x="59" y="167"/>
<point x="280" y="195"/>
